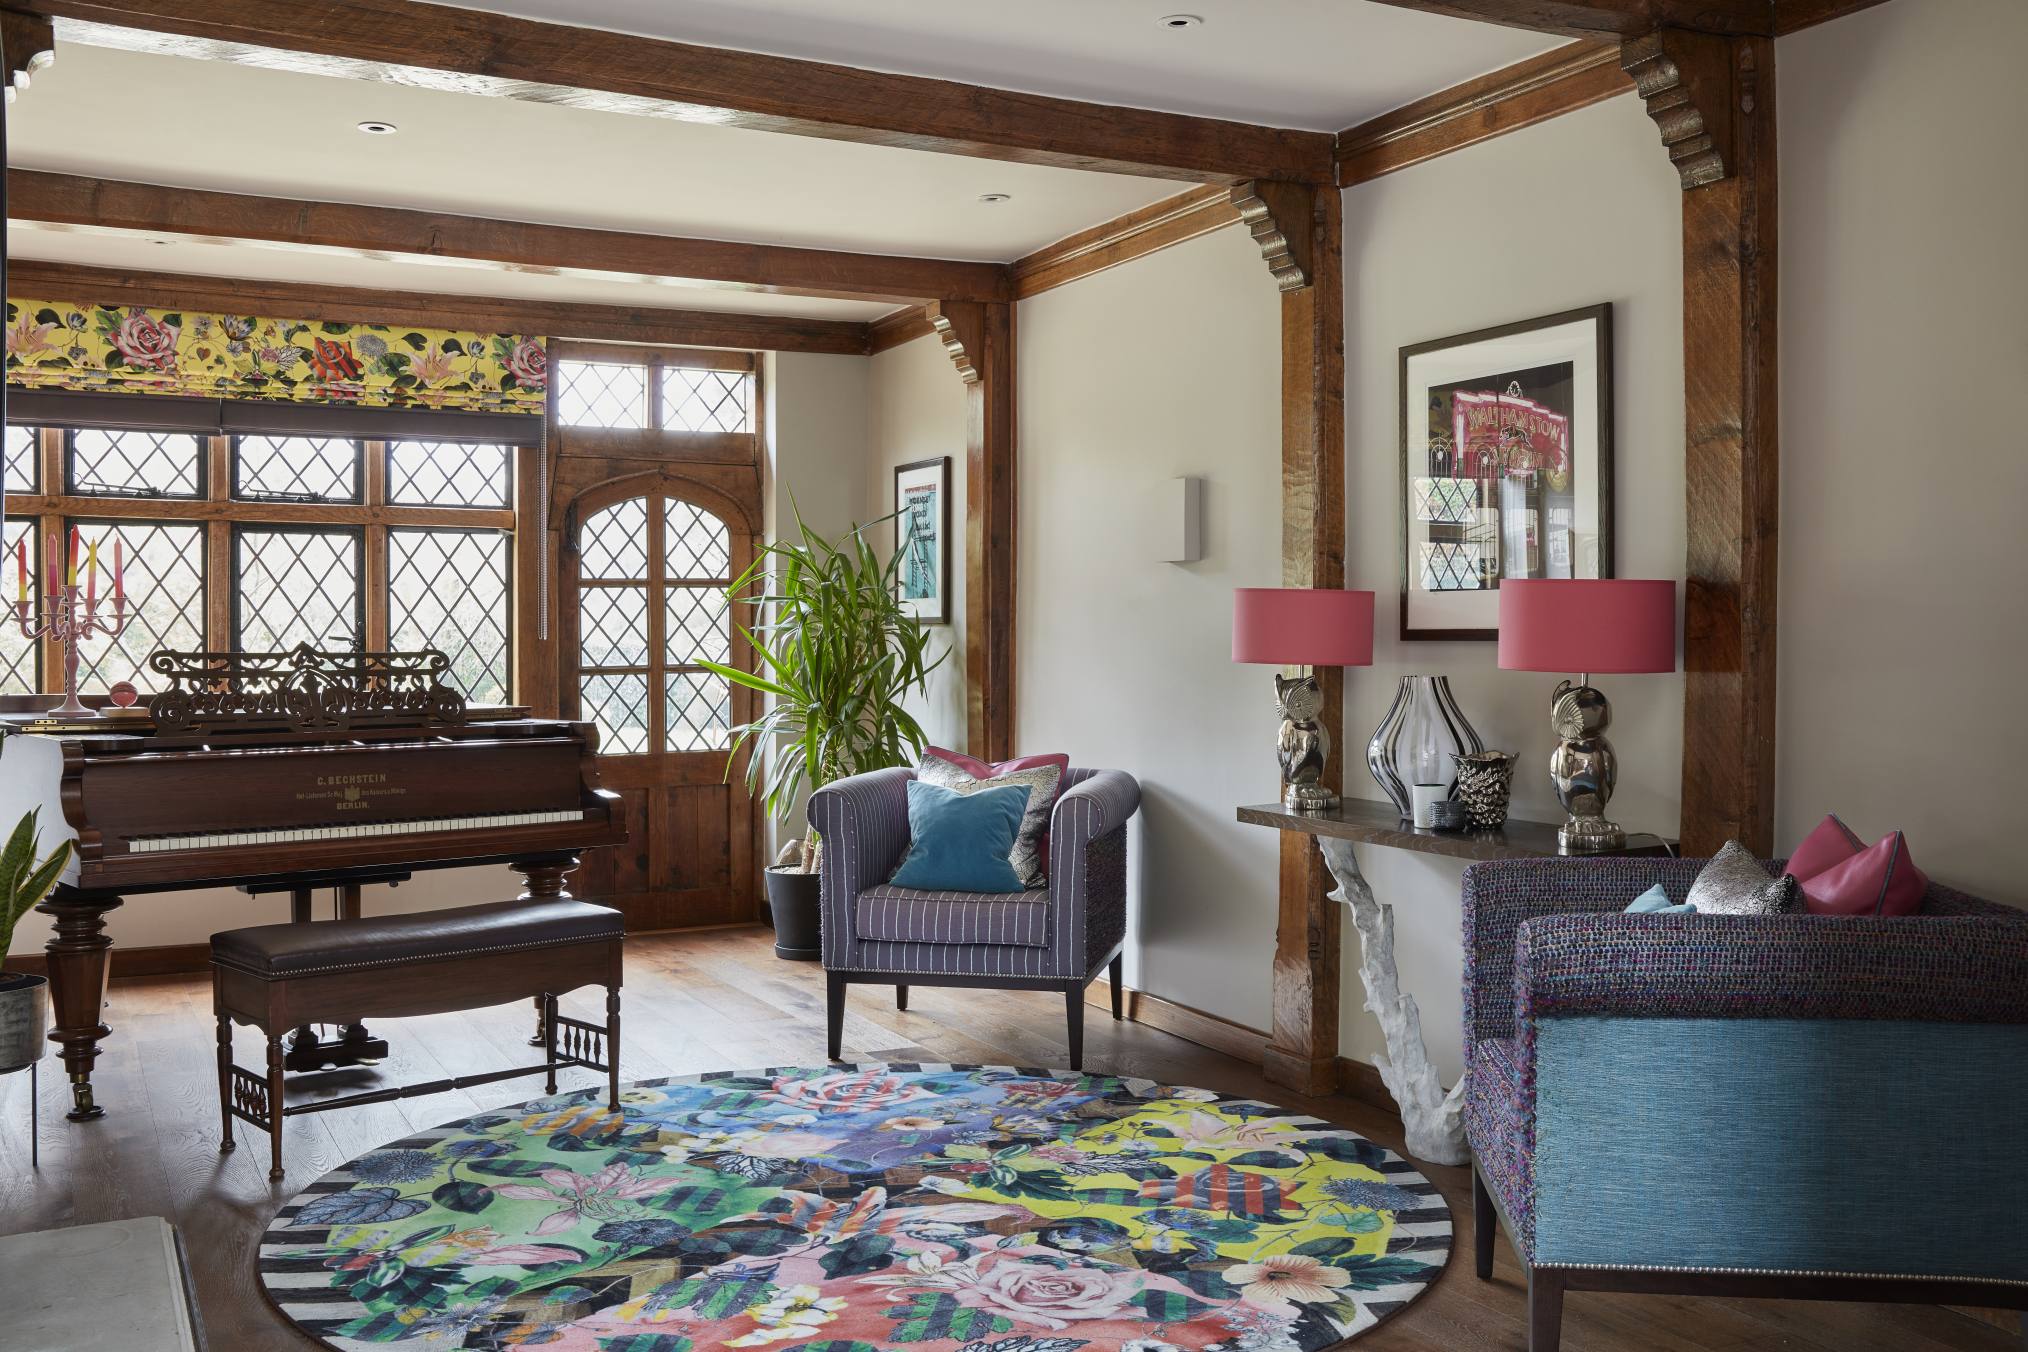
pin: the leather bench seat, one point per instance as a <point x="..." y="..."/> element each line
<point x="272" y="952"/>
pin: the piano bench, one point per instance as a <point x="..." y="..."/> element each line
<point x="280" y="977"/>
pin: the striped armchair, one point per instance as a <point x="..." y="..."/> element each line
<point x="1052" y="938"/>
<point x="1798" y="1106"/>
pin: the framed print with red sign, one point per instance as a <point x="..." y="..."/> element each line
<point x="1506" y="466"/>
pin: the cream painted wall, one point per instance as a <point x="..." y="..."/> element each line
<point x="916" y="410"/>
<point x="1163" y="367"/>
<point x="1904" y="333"/>
<point x="1570" y="213"/>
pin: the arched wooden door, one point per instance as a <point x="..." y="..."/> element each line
<point x="644" y="571"/>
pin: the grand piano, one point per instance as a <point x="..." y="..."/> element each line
<point x="278" y="772"/>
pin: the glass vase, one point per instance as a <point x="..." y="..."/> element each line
<point x="1419" y="741"/>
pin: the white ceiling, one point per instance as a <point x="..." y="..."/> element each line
<point x="204" y="124"/>
<point x="1319" y="64"/>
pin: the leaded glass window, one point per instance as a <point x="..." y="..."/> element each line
<point x="297" y="584"/>
<point x="24" y="465"/>
<point x="448" y="589"/>
<point x="135" y="464"/>
<point x="697" y="553"/>
<point x="20" y="668"/>
<point x="700" y="400"/>
<point x="601" y="394"/>
<point x="448" y="474"/>
<point x="295" y="469"/>
<point x="164" y="583"/>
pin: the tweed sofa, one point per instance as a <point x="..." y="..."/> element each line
<point x="1054" y="938"/>
<point x="1801" y="1106"/>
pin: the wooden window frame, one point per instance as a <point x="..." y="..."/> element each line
<point x="222" y="515"/>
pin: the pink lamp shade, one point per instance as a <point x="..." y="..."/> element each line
<point x="1587" y="625"/>
<point x="1302" y="627"/>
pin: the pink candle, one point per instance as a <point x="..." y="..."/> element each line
<point x="119" y="571"/>
<point x="92" y="576"/>
<point x="21" y="567"/>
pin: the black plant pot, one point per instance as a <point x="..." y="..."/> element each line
<point x="793" y="900"/>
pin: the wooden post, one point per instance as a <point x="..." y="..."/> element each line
<point x="1299" y="230"/>
<point x="979" y="337"/>
<point x="1714" y="100"/>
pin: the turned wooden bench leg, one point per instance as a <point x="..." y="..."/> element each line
<point x="613" y="1048"/>
<point x="225" y="1141"/>
<point x="275" y="1055"/>
<point x="547" y="1005"/>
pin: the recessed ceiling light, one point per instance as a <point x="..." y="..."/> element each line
<point x="379" y="128"/>
<point x="995" y="198"/>
<point x="1182" y="21"/>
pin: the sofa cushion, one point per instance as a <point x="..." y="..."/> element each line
<point x="960" y="841"/>
<point x="1040" y="776"/>
<point x="913" y="916"/>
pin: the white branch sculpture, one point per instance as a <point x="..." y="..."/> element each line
<point x="1434" y="1119"/>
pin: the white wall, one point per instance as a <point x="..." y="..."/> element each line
<point x="1166" y="366"/>
<point x="1904" y="335"/>
<point x="1575" y="211"/>
<point x="916" y="411"/>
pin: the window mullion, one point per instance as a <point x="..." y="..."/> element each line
<point x="375" y="585"/>
<point x="658" y="656"/>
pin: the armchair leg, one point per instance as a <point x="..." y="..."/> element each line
<point x="1545" y="1311"/>
<point x="1073" y="1002"/>
<point x="1113" y="974"/>
<point x="901" y="997"/>
<point x="1485" y="1225"/>
<point x="834" y="1012"/>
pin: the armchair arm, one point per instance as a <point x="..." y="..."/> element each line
<point x="863" y="824"/>
<point x="1938" y="968"/>
<point x="1088" y="868"/>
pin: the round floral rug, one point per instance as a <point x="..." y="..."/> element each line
<point x="929" y="1208"/>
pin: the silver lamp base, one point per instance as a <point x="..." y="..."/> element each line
<point x="1584" y="769"/>
<point x="1302" y="745"/>
<point x="1308" y="798"/>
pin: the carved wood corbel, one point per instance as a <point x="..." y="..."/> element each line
<point x="29" y="43"/>
<point x="1279" y="214"/>
<point x="1686" y="80"/>
<point x="960" y="325"/>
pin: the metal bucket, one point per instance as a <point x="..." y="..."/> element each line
<point x="24" y="1020"/>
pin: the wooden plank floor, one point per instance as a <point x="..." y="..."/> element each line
<point x="719" y="1001"/>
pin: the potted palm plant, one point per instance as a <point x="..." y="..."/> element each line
<point x="24" y="999"/>
<point x="836" y="653"/>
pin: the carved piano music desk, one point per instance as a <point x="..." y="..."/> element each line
<point x="283" y="771"/>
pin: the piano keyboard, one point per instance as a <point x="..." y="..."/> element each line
<point x="347" y="831"/>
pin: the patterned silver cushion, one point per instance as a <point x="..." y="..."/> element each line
<point x="1029" y="858"/>
<point x="1735" y="883"/>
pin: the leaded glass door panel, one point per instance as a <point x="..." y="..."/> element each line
<point x="645" y="573"/>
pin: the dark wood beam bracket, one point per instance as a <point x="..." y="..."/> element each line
<point x="1278" y="215"/>
<point x="467" y="51"/>
<point x="1685" y="79"/>
<point x="1611" y="18"/>
<point x="30" y="45"/>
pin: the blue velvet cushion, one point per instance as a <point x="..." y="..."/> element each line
<point x="1655" y="901"/>
<point x="959" y="842"/>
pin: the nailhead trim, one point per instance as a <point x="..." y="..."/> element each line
<point x="428" y="957"/>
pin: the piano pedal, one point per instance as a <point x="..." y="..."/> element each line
<point x="353" y="1047"/>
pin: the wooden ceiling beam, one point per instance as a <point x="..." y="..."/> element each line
<point x="438" y="47"/>
<point x="1559" y="81"/>
<point x="1609" y="18"/>
<point x="95" y="204"/>
<point x="32" y="280"/>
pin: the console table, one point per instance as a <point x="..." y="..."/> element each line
<point x="1434" y="1128"/>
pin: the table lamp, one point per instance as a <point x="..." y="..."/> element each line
<point x="1586" y="625"/>
<point x="1302" y="627"/>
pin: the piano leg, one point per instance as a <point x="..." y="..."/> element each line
<point x="78" y="960"/>
<point x="543" y="878"/>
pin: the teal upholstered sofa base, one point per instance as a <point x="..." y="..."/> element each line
<point x="1783" y="1146"/>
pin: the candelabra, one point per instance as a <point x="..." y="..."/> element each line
<point x="71" y="614"/>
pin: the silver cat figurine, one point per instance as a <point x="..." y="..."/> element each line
<point x="1303" y="744"/>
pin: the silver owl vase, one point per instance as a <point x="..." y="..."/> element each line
<point x="1584" y="769"/>
<point x="1303" y="744"/>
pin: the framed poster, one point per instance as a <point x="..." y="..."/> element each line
<point x="1506" y="466"/>
<point x="922" y="536"/>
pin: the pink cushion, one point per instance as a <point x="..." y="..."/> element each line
<point x="1832" y="842"/>
<point x="1840" y="877"/>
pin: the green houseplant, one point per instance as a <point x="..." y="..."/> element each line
<point x="836" y="653"/>
<point x="24" y="999"/>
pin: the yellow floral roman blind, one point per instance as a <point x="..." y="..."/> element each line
<point x="128" y="349"/>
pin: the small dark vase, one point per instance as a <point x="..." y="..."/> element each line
<point x="793" y="902"/>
